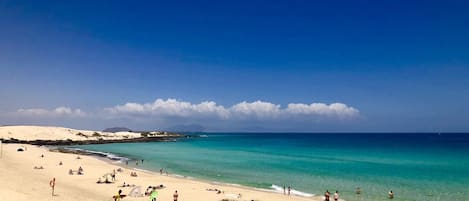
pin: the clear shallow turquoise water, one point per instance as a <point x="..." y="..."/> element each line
<point x="423" y="167"/>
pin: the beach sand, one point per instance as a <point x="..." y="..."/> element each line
<point x="20" y="181"/>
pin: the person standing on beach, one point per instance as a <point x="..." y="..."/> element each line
<point x="289" y="189"/>
<point x="118" y="196"/>
<point x="284" y="190"/>
<point x="327" y="195"/>
<point x="336" y="196"/>
<point x="52" y="185"/>
<point x="175" y="195"/>
<point x="113" y="175"/>
<point x="391" y="195"/>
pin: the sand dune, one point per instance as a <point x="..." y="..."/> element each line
<point x="30" y="133"/>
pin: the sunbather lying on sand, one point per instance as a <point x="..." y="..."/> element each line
<point x="106" y="181"/>
<point x="127" y="185"/>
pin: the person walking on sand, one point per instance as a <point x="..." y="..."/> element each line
<point x="336" y="196"/>
<point x="175" y="195"/>
<point x="289" y="189"/>
<point x="52" y="185"/>
<point x="118" y="197"/>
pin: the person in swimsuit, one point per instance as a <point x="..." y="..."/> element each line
<point x="52" y="185"/>
<point x="175" y="196"/>
<point x="336" y="196"/>
<point x="358" y="191"/>
<point x="327" y="195"/>
<point x="289" y="189"/>
<point x="391" y="195"/>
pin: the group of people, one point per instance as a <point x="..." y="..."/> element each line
<point x="390" y="193"/>
<point x="162" y="171"/>
<point x="358" y="191"/>
<point x="79" y="171"/>
<point x="151" y="191"/>
<point x="286" y="190"/>
<point x="327" y="195"/>
<point x="133" y="174"/>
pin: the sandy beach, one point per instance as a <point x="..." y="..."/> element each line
<point x="20" y="181"/>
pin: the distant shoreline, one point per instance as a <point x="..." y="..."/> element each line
<point x="168" y="138"/>
<point x="42" y="135"/>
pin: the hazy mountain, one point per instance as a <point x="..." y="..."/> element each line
<point x="116" y="129"/>
<point x="186" y="128"/>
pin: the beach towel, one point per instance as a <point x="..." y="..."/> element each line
<point x="136" y="192"/>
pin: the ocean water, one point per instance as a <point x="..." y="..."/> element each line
<point x="421" y="166"/>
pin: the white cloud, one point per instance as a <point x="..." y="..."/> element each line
<point x="259" y="110"/>
<point x="171" y="107"/>
<point x="332" y="110"/>
<point x="173" y="111"/>
<point x="57" y="112"/>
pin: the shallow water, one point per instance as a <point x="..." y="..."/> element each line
<point x="424" y="167"/>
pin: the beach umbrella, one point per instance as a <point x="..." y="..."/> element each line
<point x="105" y="176"/>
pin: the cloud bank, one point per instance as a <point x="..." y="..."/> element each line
<point x="259" y="110"/>
<point x="164" y="113"/>
<point x="57" y="112"/>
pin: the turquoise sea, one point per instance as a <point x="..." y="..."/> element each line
<point x="416" y="166"/>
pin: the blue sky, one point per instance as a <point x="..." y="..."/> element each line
<point x="390" y="65"/>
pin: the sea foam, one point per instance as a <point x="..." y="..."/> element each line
<point x="292" y="191"/>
